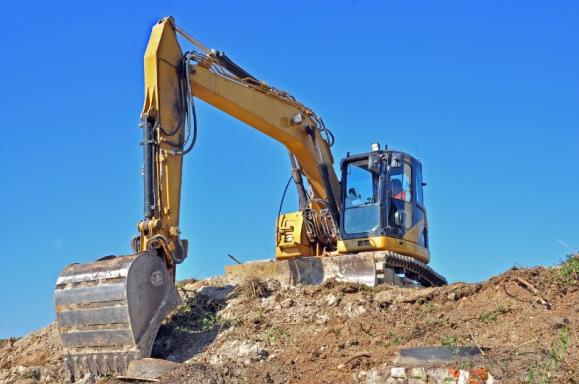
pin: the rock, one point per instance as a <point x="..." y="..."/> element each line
<point x="352" y="343"/>
<point x="398" y="373"/>
<point x="479" y="373"/>
<point x="21" y="370"/>
<point x="354" y="312"/>
<point x="384" y="298"/>
<point x="441" y="375"/>
<point x="254" y="352"/>
<point x="216" y="293"/>
<point x="417" y="373"/>
<point x="558" y="322"/>
<point x="287" y="303"/>
<point x="273" y="285"/>
<point x="413" y="295"/>
<point x="331" y="299"/>
<point x="86" y="379"/>
<point x="377" y="375"/>
<point x="148" y="369"/>
<point x="322" y="319"/>
<point x="463" y="377"/>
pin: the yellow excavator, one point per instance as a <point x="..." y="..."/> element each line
<point x="367" y="226"/>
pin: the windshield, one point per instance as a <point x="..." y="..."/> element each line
<point x="361" y="210"/>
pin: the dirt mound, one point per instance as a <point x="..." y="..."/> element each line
<point x="525" y="320"/>
<point x="34" y="358"/>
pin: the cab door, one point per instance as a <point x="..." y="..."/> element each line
<point x="401" y="196"/>
<point x="419" y="232"/>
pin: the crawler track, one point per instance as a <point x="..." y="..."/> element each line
<point x="413" y="269"/>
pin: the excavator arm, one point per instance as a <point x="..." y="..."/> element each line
<point x="171" y="80"/>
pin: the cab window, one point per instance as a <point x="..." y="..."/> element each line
<point x="361" y="209"/>
<point x="361" y="185"/>
<point x="418" y="185"/>
<point x="400" y="180"/>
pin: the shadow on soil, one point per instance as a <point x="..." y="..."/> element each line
<point x="193" y="326"/>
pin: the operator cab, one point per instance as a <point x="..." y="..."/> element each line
<point x="382" y="204"/>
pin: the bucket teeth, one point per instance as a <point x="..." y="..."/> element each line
<point x="108" y="312"/>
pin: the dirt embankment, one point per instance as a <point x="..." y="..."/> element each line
<point x="260" y="332"/>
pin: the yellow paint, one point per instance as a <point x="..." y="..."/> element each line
<point x="384" y="243"/>
<point x="271" y="116"/>
<point x="291" y="238"/>
<point x="162" y="56"/>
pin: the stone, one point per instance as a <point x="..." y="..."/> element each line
<point x="331" y="299"/>
<point x="216" y="293"/>
<point x="463" y="377"/>
<point x="322" y="319"/>
<point x="377" y="375"/>
<point x="360" y="310"/>
<point x="148" y="369"/>
<point x="384" y="298"/>
<point x="21" y="370"/>
<point x="86" y="379"/>
<point x="287" y="303"/>
<point x="354" y="311"/>
<point x="480" y="373"/>
<point x="418" y="373"/>
<point x="398" y="373"/>
<point x="439" y="374"/>
<point x="558" y="322"/>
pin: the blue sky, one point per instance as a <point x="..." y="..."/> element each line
<point x="485" y="94"/>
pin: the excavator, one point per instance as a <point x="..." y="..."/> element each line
<point x="366" y="225"/>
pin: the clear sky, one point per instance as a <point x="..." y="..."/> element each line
<point x="485" y="94"/>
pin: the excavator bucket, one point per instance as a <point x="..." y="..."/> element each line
<point x="108" y="312"/>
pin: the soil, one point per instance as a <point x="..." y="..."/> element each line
<point x="525" y="321"/>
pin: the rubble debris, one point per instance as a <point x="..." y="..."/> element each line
<point x="261" y="331"/>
